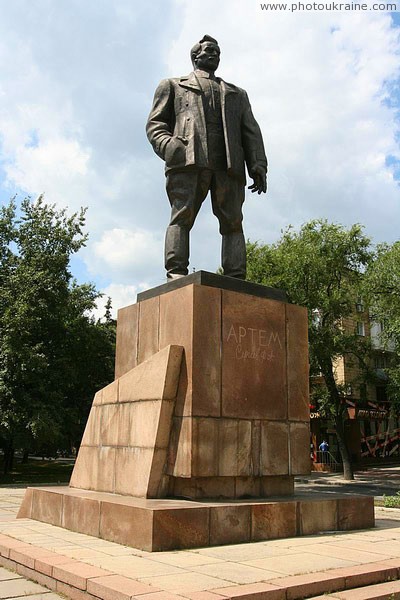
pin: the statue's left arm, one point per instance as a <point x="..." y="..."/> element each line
<point x="253" y="146"/>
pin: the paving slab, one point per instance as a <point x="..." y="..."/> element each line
<point x="13" y="588"/>
<point x="303" y="562"/>
<point x="45" y="596"/>
<point x="186" y="582"/>
<point x="235" y="572"/>
<point x="86" y="568"/>
<point x="6" y="575"/>
<point x="383" y="591"/>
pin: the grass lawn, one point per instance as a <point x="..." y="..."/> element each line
<point x="37" y="471"/>
<point x="389" y="501"/>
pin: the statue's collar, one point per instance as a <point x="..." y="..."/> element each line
<point x="204" y="74"/>
<point x="190" y="81"/>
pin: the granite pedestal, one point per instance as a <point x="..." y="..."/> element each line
<point x="210" y="401"/>
<point x="241" y="418"/>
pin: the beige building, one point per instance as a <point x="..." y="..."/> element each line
<point x="372" y="431"/>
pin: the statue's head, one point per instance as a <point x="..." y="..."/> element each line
<point x="205" y="54"/>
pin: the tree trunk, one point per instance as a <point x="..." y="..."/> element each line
<point x="344" y="453"/>
<point x="25" y="457"/>
<point x="336" y="402"/>
<point x="8" y="458"/>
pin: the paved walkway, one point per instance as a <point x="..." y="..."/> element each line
<point x="194" y="573"/>
<point x="375" y="481"/>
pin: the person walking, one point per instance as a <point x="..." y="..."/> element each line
<point x="324" y="449"/>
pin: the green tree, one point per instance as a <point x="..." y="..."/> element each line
<point x="50" y="348"/>
<point x="320" y="267"/>
<point x="88" y="365"/>
<point x="382" y="288"/>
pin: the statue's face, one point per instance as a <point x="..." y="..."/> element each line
<point x="208" y="57"/>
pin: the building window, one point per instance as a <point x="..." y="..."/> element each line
<point x="316" y="317"/>
<point x="381" y="361"/>
<point x="360" y="328"/>
<point x="381" y="394"/>
<point x="359" y="305"/>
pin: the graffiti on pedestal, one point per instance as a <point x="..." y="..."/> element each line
<point x="252" y="343"/>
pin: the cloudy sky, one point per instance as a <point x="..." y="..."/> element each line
<point x="78" y="77"/>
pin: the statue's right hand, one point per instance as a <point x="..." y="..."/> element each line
<point x="175" y="151"/>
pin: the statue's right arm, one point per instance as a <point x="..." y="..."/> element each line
<point x="160" y="123"/>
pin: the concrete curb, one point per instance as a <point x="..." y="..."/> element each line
<point x="80" y="581"/>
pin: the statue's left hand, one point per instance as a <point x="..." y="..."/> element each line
<point x="259" y="177"/>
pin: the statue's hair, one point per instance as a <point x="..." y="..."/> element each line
<point x="197" y="47"/>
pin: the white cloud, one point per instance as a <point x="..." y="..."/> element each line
<point x="77" y="83"/>
<point x="125" y="253"/>
<point x="55" y="165"/>
<point x="121" y="295"/>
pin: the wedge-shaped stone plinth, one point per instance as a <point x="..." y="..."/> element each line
<point x="241" y="420"/>
<point x="157" y="525"/>
<point x="125" y="443"/>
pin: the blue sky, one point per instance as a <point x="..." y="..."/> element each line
<point x="77" y="85"/>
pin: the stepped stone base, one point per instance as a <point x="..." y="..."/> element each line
<point x="171" y="524"/>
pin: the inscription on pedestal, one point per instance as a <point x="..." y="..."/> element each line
<point x="253" y="357"/>
<point x="262" y="343"/>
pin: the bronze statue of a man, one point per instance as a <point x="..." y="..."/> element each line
<point x="204" y="130"/>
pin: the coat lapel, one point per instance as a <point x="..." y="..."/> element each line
<point x="190" y="81"/>
<point x="228" y="88"/>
